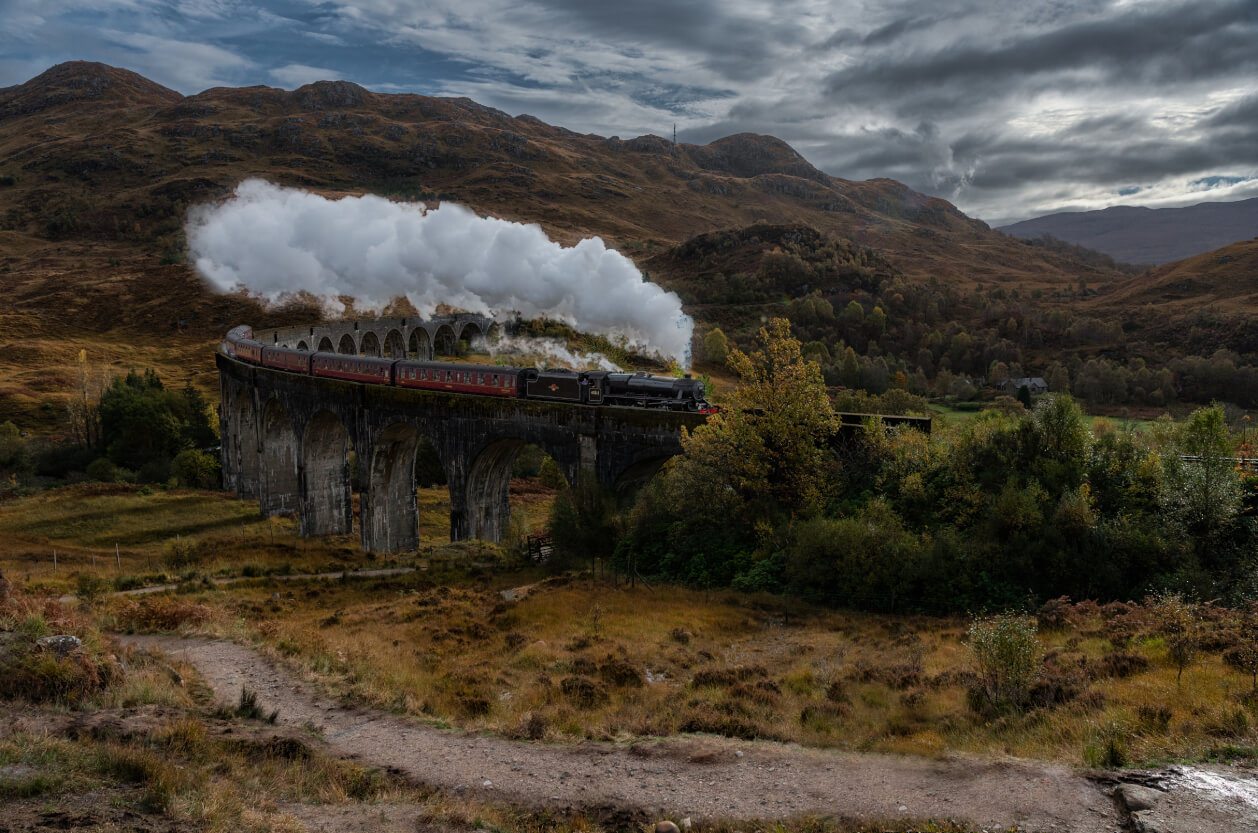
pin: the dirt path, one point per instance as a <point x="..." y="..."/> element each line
<point x="707" y="778"/>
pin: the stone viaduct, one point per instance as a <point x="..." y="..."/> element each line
<point x="286" y="437"/>
<point x="410" y="337"/>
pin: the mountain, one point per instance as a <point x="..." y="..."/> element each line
<point x="99" y="166"/>
<point x="1149" y="235"/>
<point x="93" y="152"/>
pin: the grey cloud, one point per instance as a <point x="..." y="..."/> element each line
<point x="1171" y="44"/>
<point x="991" y="104"/>
<point x="1240" y="114"/>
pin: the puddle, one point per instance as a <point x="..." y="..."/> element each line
<point x="1238" y="790"/>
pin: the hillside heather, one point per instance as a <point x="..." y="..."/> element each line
<point x="889" y="287"/>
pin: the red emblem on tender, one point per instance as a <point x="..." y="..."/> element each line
<point x="553" y="387"/>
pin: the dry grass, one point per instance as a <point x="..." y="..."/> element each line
<point x="128" y="537"/>
<point x="579" y="660"/>
<point x="575" y="659"/>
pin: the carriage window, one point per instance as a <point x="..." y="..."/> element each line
<point x="449" y="376"/>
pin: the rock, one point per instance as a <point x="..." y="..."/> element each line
<point x="60" y="645"/>
<point x="666" y="827"/>
<point x="1136" y="798"/>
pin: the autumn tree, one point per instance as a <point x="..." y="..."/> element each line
<point x="769" y="443"/>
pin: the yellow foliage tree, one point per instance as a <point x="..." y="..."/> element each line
<point x="769" y="444"/>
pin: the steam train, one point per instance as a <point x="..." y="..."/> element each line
<point x="587" y="387"/>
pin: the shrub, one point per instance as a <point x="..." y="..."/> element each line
<point x="155" y="613"/>
<point x="89" y="587"/>
<point x="550" y="475"/>
<point x="1179" y="623"/>
<point x="1007" y="656"/>
<point x="102" y="469"/>
<point x="1107" y="747"/>
<point x="1244" y="658"/>
<point x="197" y="469"/>
<point x="1055" y="614"/>
<point x="583" y="692"/>
<point x="619" y="672"/>
<point x="1154" y="719"/>
<point x="1120" y="664"/>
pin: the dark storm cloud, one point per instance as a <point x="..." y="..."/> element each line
<point x="1242" y="114"/>
<point x="1167" y="45"/>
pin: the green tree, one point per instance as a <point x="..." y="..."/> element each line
<point x="876" y="323"/>
<point x="716" y="346"/>
<point x="1200" y="486"/>
<point x="146" y="425"/>
<point x="1058" y="378"/>
<point x="769" y="444"/>
<point x="197" y="469"/>
<point x="850" y="369"/>
<point x="1063" y="444"/>
<point x="583" y="524"/>
<point x="853" y="315"/>
<point x="868" y="560"/>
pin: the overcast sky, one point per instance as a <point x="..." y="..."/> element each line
<point x="1009" y="110"/>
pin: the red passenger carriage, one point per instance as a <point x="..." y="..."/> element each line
<point x="353" y="368"/>
<point x="459" y="378"/>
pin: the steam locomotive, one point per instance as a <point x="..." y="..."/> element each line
<point x="587" y="387"/>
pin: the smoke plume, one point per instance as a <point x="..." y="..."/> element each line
<point x="548" y="352"/>
<point x="273" y="241"/>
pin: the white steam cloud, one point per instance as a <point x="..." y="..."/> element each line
<point x="545" y="352"/>
<point x="273" y="241"/>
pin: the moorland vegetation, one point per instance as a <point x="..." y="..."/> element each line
<point x="1013" y="507"/>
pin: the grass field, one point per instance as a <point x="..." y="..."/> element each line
<point x="578" y="659"/>
<point x="951" y="415"/>
<point x="129" y="536"/>
<point x="565" y="659"/>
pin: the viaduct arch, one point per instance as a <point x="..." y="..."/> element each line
<point x="286" y="439"/>
<point x="410" y="337"/>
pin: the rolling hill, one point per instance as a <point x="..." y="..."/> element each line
<point x="98" y="167"/>
<point x="97" y="154"/>
<point x="1149" y="235"/>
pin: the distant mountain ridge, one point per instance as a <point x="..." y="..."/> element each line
<point x="1154" y="236"/>
<point x="94" y="151"/>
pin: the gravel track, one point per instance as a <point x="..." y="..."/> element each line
<point x="698" y="777"/>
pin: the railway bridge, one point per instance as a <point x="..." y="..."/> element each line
<point x="404" y="337"/>
<point x="287" y="437"/>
